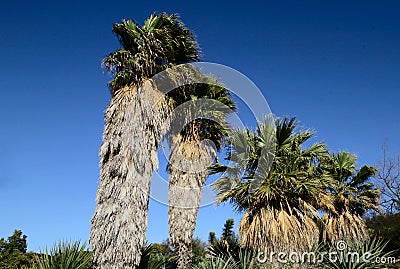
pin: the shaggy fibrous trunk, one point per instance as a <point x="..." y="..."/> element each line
<point x="128" y="156"/>
<point x="188" y="165"/>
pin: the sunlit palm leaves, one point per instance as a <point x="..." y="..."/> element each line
<point x="280" y="212"/>
<point x="162" y="41"/>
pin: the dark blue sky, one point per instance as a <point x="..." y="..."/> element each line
<point x="333" y="64"/>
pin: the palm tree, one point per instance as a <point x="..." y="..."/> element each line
<point x="128" y="154"/>
<point x="190" y="158"/>
<point x="353" y="194"/>
<point x="279" y="214"/>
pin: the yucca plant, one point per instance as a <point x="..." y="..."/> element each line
<point x="242" y="259"/>
<point x="65" y="255"/>
<point x="247" y="260"/>
<point x="222" y="262"/>
<point x="151" y="260"/>
<point x="217" y="263"/>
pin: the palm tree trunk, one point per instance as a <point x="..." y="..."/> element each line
<point x="128" y="156"/>
<point x="188" y="166"/>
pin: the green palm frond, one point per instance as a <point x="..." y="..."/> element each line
<point x="352" y="193"/>
<point x="290" y="187"/>
<point x="206" y="104"/>
<point x="352" y="190"/>
<point x="284" y="130"/>
<point x="161" y="42"/>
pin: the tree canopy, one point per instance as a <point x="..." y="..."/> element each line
<point x="13" y="251"/>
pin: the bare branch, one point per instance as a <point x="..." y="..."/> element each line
<point x="388" y="177"/>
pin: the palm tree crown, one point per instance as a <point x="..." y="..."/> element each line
<point x="280" y="212"/>
<point x="353" y="194"/>
<point x="353" y="190"/>
<point x="162" y="41"/>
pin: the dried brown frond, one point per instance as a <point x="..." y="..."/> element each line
<point x="345" y="226"/>
<point x="276" y="230"/>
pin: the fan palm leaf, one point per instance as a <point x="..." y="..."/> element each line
<point x="353" y="194"/>
<point x="280" y="213"/>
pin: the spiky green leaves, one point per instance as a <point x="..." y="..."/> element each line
<point x="300" y="181"/>
<point x="352" y="190"/>
<point x="352" y="193"/>
<point x="162" y="41"/>
<point x="65" y="255"/>
<point x="290" y="184"/>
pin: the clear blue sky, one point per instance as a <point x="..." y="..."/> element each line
<point x="333" y="64"/>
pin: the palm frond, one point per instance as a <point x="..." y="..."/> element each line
<point x="161" y="42"/>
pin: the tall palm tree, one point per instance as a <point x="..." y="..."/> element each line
<point x="280" y="213"/>
<point x="353" y="194"/>
<point x="128" y="154"/>
<point x="190" y="158"/>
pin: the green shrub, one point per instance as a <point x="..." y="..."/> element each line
<point x="388" y="228"/>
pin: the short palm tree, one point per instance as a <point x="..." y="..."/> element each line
<point x="128" y="153"/>
<point x="190" y="157"/>
<point x="353" y="194"/>
<point x="279" y="214"/>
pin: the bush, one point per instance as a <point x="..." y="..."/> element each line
<point x="65" y="255"/>
<point x="13" y="252"/>
<point x="386" y="227"/>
